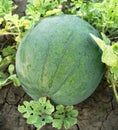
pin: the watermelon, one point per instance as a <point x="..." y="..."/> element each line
<point x="58" y="59"/>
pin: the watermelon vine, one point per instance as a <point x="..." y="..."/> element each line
<point x="110" y="58"/>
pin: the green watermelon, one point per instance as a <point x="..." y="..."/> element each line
<point x="58" y="59"/>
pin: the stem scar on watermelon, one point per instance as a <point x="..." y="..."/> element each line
<point x="59" y="59"/>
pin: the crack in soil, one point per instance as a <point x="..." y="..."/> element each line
<point x="21" y="99"/>
<point x="77" y="127"/>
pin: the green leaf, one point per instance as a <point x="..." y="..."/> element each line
<point x="8" y="51"/>
<point x="73" y="113"/>
<point x="21" y="109"/>
<point x="66" y="114"/>
<point x="11" y="69"/>
<point x="47" y="119"/>
<point x="115" y="48"/>
<point x="60" y="108"/>
<point x="35" y="105"/>
<point x="58" y="115"/>
<point x="107" y="52"/>
<point x="108" y="57"/>
<point x="3" y="82"/>
<point x="14" y="79"/>
<point x="38" y="112"/>
<point x="114" y="70"/>
<point x="69" y="108"/>
<point x="105" y="39"/>
<point x="57" y="123"/>
<point x="46" y="106"/>
<point x="2" y="75"/>
<point x="72" y="121"/>
<point x="5" y="62"/>
<point x="49" y="108"/>
<point x="32" y="119"/>
<point x="99" y="42"/>
<point x="67" y="124"/>
<point x="39" y="123"/>
<point x="5" y="6"/>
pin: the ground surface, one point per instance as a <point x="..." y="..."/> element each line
<point x="98" y="112"/>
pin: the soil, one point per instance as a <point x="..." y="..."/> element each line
<point x="98" y="112"/>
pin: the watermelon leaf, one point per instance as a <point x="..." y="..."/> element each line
<point x="110" y="58"/>
<point x="115" y="48"/>
<point x="65" y="117"/>
<point x="42" y="111"/>
<point x="37" y="112"/>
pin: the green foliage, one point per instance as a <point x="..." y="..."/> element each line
<point x="5" y="7"/>
<point x="42" y="111"/>
<point x="37" y="112"/>
<point x="5" y="80"/>
<point x="101" y="14"/>
<point x="110" y="58"/>
<point x="37" y="9"/>
<point x="7" y="62"/>
<point x="64" y="116"/>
